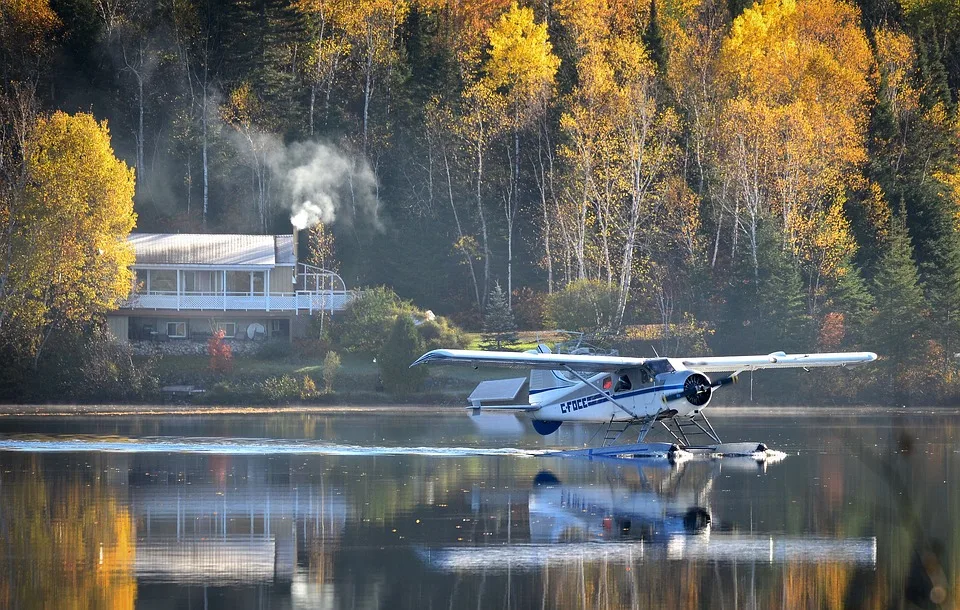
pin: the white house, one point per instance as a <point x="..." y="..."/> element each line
<point x="251" y="286"/>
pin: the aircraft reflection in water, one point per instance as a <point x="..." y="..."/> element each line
<point x="666" y="517"/>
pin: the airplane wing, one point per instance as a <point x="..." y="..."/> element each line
<point x="776" y="360"/>
<point x="522" y="360"/>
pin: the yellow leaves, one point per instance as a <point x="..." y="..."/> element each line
<point x="952" y="182"/>
<point x="242" y="107"/>
<point x="467" y="244"/>
<point x="781" y="49"/>
<point x="481" y="107"/>
<point x="521" y="56"/>
<point x="760" y="38"/>
<point x="329" y="41"/>
<point x="373" y="23"/>
<point x="70" y="257"/>
<point x="824" y="239"/>
<point x="82" y="199"/>
<point x="683" y="213"/>
<point x="796" y="78"/>
<point x="26" y="25"/>
<point x="877" y="210"/>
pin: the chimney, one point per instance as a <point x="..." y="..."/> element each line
<point x="296" y="244"/>
<point x="296" y="255"/>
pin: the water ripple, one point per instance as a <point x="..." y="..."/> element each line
<point x="235" y="446"/>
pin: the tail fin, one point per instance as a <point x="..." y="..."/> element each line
<point x="541" y="380"/>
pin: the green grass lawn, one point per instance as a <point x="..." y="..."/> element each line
<point x="357" y="372"/>
<point x="527" y="340"/>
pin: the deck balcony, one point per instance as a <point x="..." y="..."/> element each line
<point x="314" y="290"/>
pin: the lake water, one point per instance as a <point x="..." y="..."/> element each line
<point x="421" y="510"/>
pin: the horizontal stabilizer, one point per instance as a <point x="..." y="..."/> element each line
<point x="502" y="394"/>
<point x="498" y="390"/>
<point x="506" y="408"/>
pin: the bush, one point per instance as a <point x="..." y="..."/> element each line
<point x="366" y="321"/>
<point x="331" y="367"/>
<point x="109" y="373"/>
<point x="283" y="389"/>
<point x="309" y="389"/>
<point x="440" y="333"/>
<point x="402" y="347"/>
<point x="583" y="305"/>
<point x="231" y="392"/>
<point x="87" y="365"/>
<point x="221" y="355"/>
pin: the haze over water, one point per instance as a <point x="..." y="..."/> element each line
<point x="398" y="510"/>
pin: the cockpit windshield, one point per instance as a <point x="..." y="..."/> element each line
<point x="659" y="366"/>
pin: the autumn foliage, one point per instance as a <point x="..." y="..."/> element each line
<point x="737" y="164"/>
<point x="220" y="353"/>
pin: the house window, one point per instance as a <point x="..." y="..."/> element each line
<point x="238" y="282"/>
<point x="256" y="283"/>
<point x="163" y="280"/>
<point x="275" y="326"/>
<point x="201" y="281"/>
<point x="177" y="330"/>
<point x="141" y="281"/>
<point x="229" y="329"/>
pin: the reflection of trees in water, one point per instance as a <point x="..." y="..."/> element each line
<point x="66" y="544"/>
<point x="919" y="519"/>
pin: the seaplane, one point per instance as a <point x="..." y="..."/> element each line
<point x="624" y="394"/>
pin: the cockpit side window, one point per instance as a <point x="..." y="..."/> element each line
<point x="623" y="384"/>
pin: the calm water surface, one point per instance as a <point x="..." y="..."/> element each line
<point x="422" y="511"/>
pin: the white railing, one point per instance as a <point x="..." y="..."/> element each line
<point x="329" y="300"/>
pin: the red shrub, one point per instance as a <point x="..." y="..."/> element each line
<point x="221" y="355"/>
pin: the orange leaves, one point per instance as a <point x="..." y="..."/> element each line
<point x="26" y="25"/>
<point x="832" y="331"/>
<point x="220" y="352"/>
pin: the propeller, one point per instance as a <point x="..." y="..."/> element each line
<point x="694" y="388"/>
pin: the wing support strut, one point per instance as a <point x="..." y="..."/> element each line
<point x="603" y="392"/>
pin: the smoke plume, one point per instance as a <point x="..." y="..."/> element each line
<point x="320" y="183"/>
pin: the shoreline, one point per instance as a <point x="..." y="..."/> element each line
<point x="138" y="410"/>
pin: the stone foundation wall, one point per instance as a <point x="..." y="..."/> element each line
<point x="185" y="347"/>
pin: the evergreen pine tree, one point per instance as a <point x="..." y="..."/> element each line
<point x="850" y="297"/>
<point x="785" y="323"/>
<point x="738" y="325"/>
<point x="499" y="328"/>
<point x="653" y="39"/>
<point x="402" y="347"/>
<point x="896" y="330"/>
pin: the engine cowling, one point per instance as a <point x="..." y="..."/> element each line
<point x="697" y="389"/>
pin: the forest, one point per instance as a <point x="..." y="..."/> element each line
<point x="748" y="177"/>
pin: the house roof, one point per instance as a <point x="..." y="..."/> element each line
<point x="212" y="249"/>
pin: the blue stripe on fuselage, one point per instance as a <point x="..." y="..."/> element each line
<point x="596" y="399"/>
